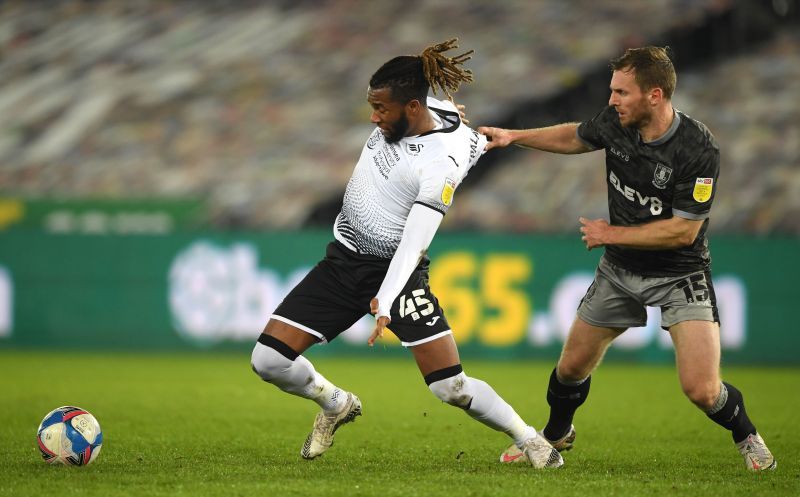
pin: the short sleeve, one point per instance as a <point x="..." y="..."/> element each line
<point x="696" y="186"/>
<point x="438" y="183"/>
<point x="590" y="132"/>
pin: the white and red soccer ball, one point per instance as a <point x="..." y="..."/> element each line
<point x="69" y="435"/>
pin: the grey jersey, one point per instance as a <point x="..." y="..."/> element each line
<point x="674" y="175"/>
<point x="391" y="177"/>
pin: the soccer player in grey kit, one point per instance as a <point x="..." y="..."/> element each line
<point x="662" y="168"/>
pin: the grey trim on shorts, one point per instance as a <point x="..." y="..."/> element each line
<point x="618" y="298"/>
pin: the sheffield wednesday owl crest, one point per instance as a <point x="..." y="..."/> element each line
<point x="661" y="176"/>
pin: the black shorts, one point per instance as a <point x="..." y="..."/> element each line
<point x="337" y="291"/>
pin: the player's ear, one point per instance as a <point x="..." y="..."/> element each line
<point x="655" y="95"/>
<point x="413" y="107"/>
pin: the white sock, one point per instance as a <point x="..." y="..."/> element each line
<point x="297" y="377"/>
<point x="491" y="410"/>
<point x="329" y="397"/>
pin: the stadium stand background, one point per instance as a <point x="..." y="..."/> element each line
<point x="258" y="108"/>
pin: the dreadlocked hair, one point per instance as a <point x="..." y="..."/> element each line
<point x="445" y="72"/>
<point x="410" y="76"/>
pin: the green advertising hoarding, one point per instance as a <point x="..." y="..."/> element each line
<point x="505" y="296"/>
<point x="151" y="216"/>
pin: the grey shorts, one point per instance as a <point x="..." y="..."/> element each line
<point x="617" y="298"/>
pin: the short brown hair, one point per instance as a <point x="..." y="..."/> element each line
<point x="652" y="68"/>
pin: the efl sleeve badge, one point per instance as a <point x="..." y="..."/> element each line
<point x="447" y="191"/>
<point x="702" y="189"/>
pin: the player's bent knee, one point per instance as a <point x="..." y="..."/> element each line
<point x="702" y="395"/>
<point x="271" y="358"/>
<point x="268" y="363"/>
<point x="453" y="391"/>
<point x="572" y="372"/>
<point x="451" y="385"/>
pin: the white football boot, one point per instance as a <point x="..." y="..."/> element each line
<point x="757" y="456"/>
<point x="325" y="425"/>
<point x="535" y="451"/>
<point x="514" y="455"/>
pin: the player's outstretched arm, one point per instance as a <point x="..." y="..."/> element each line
<point x="560" y="139"/>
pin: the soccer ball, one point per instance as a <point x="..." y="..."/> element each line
<point x="69" y="435"/>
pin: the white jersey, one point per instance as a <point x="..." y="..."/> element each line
<point x="391" y="177"/>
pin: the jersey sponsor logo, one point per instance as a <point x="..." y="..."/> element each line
<point x="622" y="155"/>
<point x="374" y="139"/>
<point x="393" y="149"/>
<point x="414" y="148"/>
<point x="656" y="205"/>
<point x="447" y="191"/>
<point x="702" y="189"/>
<point x="386" y="159"/>
<point x="432" y="321"/>
<point x="382" y="165"/>
<point x="661" y="176"/>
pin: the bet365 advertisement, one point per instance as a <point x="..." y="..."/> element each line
<point x="504" y="296"/>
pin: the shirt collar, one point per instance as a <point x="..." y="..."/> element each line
<point x="673" y="128"/>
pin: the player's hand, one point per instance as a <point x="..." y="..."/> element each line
<point x="462" y="110"/>
<point x="594" y="232"/>
<point x="497" y="137"/>
<point x="380" y="324"/>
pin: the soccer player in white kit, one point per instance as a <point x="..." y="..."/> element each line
<point x="401" y="188"/>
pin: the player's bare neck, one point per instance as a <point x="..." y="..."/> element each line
<point x="424" y="124"/>
<point x="659" y="124"/>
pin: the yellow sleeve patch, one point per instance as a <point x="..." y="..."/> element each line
<point x="447" y="191"/>
<point x="702" y="189"/>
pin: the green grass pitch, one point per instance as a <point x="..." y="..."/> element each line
<point x="204" y="424"/>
